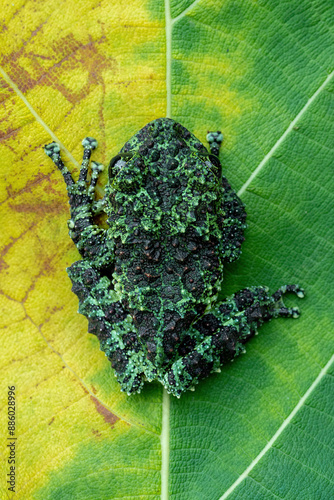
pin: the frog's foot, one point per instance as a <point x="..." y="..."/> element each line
<point x="224" y="331"/>
<point x="279" y="307"/>
<point x="82" y="193"/>
<point x="53" y="151"/>
<point x="89" y="238"/>
<point x="111" y="324"/>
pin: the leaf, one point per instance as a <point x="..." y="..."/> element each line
<point x="263" y="73"/>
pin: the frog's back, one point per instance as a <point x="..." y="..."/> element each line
<point x="165" y="217"/>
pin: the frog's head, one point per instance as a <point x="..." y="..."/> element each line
<point x="167" y="133"/>
<point x="156" y="147"/>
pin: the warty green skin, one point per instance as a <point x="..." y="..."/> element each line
<point x="149" y="283"/>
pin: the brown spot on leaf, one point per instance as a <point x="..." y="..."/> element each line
<point x="6" y="248"/>
<point x="31" y="184"/>
<point x="96" y="433"/>
<point x="84" y="389"/>
<point x="70" y="54"/>
<point x="109" y="417"/>
<point x="51" y="421"/>
<point x="9" y="133"/>
<point x="40" y="208"/>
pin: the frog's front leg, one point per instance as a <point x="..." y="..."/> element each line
<point x="113" y="326"/>
<point x="224" y="331"/>
<point x="91" y="240"/>
<point x="233" y="210"/>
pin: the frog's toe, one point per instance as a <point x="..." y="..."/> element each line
<point x="279" y="307"/>
<point x="130" y="384"/>
<point x="296" y="289"/>
<point x="89" y="143"/>
<point x="51" y="149"/>
<point x="295" y="313"/>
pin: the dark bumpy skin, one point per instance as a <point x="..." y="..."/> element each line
<point x="149" y="284"/>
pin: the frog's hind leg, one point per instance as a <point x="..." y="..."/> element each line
<point x="111" y="324"/>
<point x="223" y="333"/>
<point x="89" y="238"/>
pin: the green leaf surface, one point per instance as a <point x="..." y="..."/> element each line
<point x="262" y="72"/>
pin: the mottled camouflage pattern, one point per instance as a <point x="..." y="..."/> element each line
<point x="149" y="284"/>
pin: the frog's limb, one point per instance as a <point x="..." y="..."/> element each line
<point x="233" y="210"/>
<point x="233" y="224"/>
<point x="91" y="240"/>
<point x="224" y="331"/>
<point x="112" y="325"/>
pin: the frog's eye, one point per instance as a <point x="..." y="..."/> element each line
<point x="117" y="163"/>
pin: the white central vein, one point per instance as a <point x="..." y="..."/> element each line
<point x="286" y="422"/>
<point x="164" y="437"/>
<point x="168" y="25"/>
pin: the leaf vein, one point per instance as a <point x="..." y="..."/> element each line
<point x="279" y="431"/>
<point x="284" y="135"/>
<point x="36" y="115"/>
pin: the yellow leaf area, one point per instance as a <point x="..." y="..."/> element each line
<point x="69" y="69"/>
